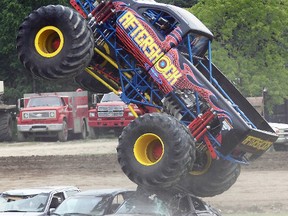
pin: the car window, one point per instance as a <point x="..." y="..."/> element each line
<point x="31" y="203"/>
<point x="83" y="205"/>
<point x="147" y="205"/>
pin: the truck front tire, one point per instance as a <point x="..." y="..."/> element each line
<point x="55" y="42"/>
<point x="155" y="150"/>
<point x="63" y="134"/>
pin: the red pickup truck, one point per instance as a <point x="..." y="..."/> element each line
<point x="109" y="114"/>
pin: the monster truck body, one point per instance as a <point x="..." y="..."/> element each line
<point x="155" y="54"/>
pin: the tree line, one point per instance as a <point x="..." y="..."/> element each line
<point x="250" y="45"/>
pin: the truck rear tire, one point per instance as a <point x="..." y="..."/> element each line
<point x="6" y="127"/>
<point x="63" y="134"/>
<point x="155" y="150"/>
<point x="218" y="177"/>
<point x="55" y="42"/>
<point x="83" y="134"/>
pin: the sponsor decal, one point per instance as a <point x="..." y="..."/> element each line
<point x="257" y="143"/>
<point x="146" y="43"/>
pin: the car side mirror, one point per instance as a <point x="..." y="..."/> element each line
<point x="51" y="211"/>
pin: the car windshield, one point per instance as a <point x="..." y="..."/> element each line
<point x="44" y="101"/>
<point x="30" y="203"/>
<point x="110" y="97"/>
<point x="149" y="206"/>
<point x="88" y="205"/>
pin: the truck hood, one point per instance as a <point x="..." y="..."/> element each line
<point x="41" y="108"/>
<point x="112" y="103"/>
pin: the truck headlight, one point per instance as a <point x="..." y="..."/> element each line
<point x="25" y="115"/>
<point x="91" y="114"/>
<point x="52" y="114"/>
<point x="130" y="114"/>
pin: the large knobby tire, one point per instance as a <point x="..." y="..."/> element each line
<point x="63" y="134"/>
<point x="55" y="42"/>
<point x="217" y="177"/>
<point x="6" y="127"/>
<point x="155" y="150"/>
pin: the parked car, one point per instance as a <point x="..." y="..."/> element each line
<point x="281" y="130"/>
<point x="34" y="201"/>
<point x="93" y="202"/>
<point x="166" y="203"/>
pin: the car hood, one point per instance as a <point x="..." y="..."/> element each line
<point x="132" y="215"/>
<point x="278" y="125"/>
<point x="21" y="214"/>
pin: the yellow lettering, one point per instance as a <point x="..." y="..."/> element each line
<point x="141" y="36"/>
<point x="126" y="18"/>
<point x="257" y="143"/>
<point x="151" y="49"/>
<point x="147" y="42"/>
<point x="137" y="30"/>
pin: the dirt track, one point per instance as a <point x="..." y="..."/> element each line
<point x="261" y="187"/>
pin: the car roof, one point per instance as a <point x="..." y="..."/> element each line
<point x="38" y="190"/>
<point x="278" y="125"/>
<point x="101" y="192"/>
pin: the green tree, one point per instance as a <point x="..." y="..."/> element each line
<point x="250" y="43"/>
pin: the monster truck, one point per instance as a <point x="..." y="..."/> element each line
<point x="197" y="128"/>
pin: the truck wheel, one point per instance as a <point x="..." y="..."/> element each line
<point x="216" y="177"/>
<point x="6" y="127"/>
<point x="55" y="42"/>
<point x="63" y="135"/>
<point x="21" y="137"/>
<point x="83" y="131"/>
<point x="155" y="150"/>
<point x="93" y="134"/>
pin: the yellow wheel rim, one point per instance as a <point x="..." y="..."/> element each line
<point x="49" y="41"/>
<point x="205" y="168"/>
<point x="148" y="149"/>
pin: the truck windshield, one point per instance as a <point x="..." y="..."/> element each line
<point x="110" y="97"/>
<point x="44" y="101"/>
<point x="194" y="45"/>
